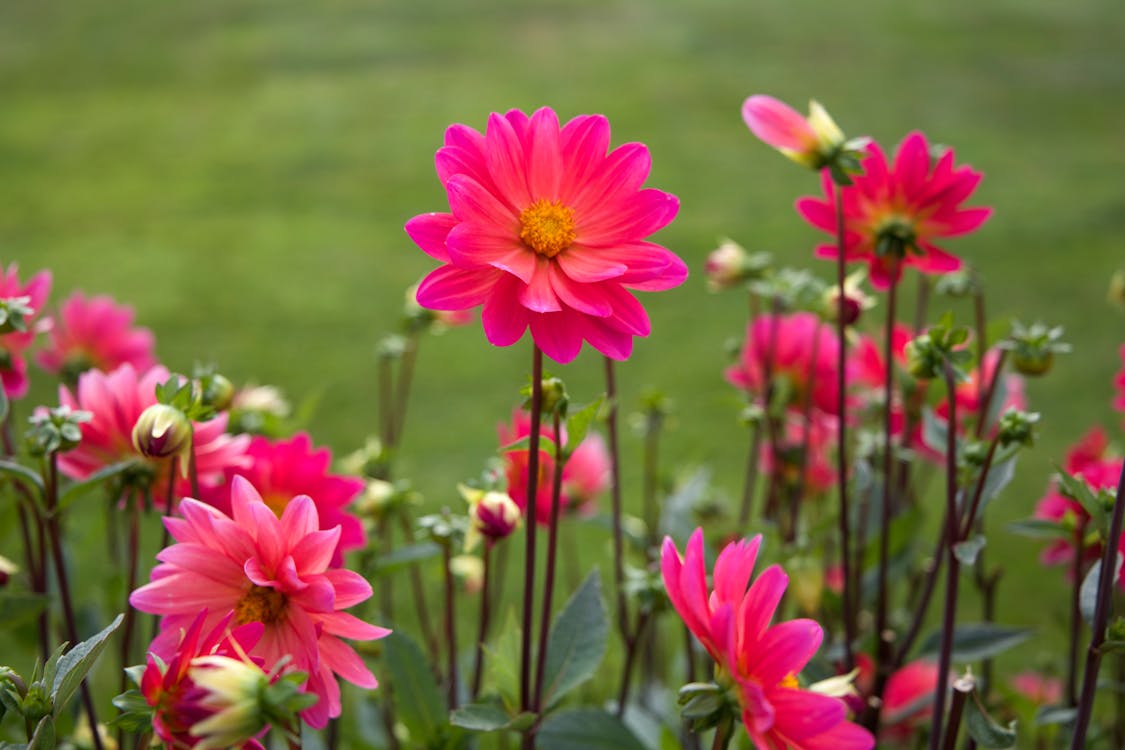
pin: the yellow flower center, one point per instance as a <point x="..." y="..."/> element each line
<point x="547" y="227"/>
<point x="789" y="681"/>
<point x="276" y="502"/>
<point x="259" y="604"/>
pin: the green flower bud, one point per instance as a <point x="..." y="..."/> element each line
<point x="162" y="431"/>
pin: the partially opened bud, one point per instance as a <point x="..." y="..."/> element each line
<point x="162" y="431"/>
<point x="812" y="141"/>
<point x="492" y="514"/>
<point x="235" y="691"/>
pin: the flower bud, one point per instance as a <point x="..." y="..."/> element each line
<point x="234" y="691"/>
<point x="493" y="515"/>
<point x="7" y="570"/>
<point x="163" y="431"/>
<point x="1033" y="348"/>
<point x="729" y="264"/>
<point x="855" y="300"/>
<point x="1017" y="427"/>
<point x="1116" y="294"/>
<point x="218" y="392"/>
<point x="811" y="141"/>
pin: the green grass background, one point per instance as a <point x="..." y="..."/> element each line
<point x="241" y="171"/>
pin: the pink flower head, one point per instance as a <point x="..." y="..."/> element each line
<point x="817" y="433"/>
<point x="797" y="348"/>
<point x="908" y="699"/>
<point x="283" y="469"/>
<point x="585" y="475"/>
<point x="547" y="230"/>
<point x="167" y="686"/>
<point x="95" y="332"/>
<point x="269" y="570"/>
<point x="13" y="366"/>
<point x="893" y="214"/>
<point x="1038" y="688"/>
<point x="806" y="140"/>
<point x="760" y="661"/>
<point x="116" y="400"/>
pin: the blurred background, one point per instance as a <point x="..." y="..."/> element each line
<point x="241" y="171"/>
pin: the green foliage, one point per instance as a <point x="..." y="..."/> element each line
<point x="984" y="729"/>
<point x="577" y="641"/>
<point x="419" y="703"/>
<point x="585" y="729"/>
<point x="977" y="641"/>
<point x="77" y="662"/>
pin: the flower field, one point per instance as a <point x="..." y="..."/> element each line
<point x="418" y="376"/>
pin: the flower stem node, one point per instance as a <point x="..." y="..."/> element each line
<point x="162" y="431"/>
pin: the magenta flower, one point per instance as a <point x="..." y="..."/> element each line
<point x="908" y="699"/>
<point x="758" y="661"/>
<point x="797" y="348"/>
<point x="282" y="469"/>
<point x="1037" y="688"/>
<point x="547" y="231"/>
<point x="806" y="140"/>
<point x="13" y="366"/>
<point x="892" y="215"/>
<point x="167" y="685"/>
<point x="269" y="570"/>
<point x="584" y="476"/>
<point x="95" y="332"/>
<point x="116" y="400"/>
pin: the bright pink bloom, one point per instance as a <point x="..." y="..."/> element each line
<point x="585" y="475"/>
<point x="282" y="469"/>
<point x="758" y="660"/>
<point x="908" y="699"/>
<point x="970" y="393"/>
<point x="13" y="366"/>
<point x="95" y="332"/>
<point x="911" y="203"/>
<point x="269" y="570"/>
<point x="1119" y="382"/>
<point x="818" y="433"/>
<point x="168" y="688"/>
<point x="547" y="231"/>
<point x="778" y="124"/>
<point x="116" y="399"/>
<point x="1038" y="688"/>
<point x="796" y="348"/>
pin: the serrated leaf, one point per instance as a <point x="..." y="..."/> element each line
<point x="578" y="424"/>
<point x="418" y="701"/>
<point x="985" y="731"/>
<point x="977" y="641"/>
<point x="77" y="662"/>
<point x="968" y="550"/>
<point x="585" y="729"/>
<point x="577" y="641"/>
<point x="1088" y="594"/>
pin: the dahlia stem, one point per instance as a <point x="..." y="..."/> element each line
<point x="771" y="424"/>
<point x="133" y="551"/>
<point x="552" y="555"/>
<point x="1075" y="613"/>
<point x="51" y="499"/>
<point x="751" y="481"/>
<point x="849" y="599"/>
<point x="949" y="614"/>
<point x="724" y="733"/>
<point x="532" y="495"/>
<point x="169" y="499"/>
<point x="402" y="389"/>
<point x="418" y="586"/>
<point x="962" y="689"/>
<point x="35" y="555"/>
<point x="653" y="423"/>
<point x="450" y="623"/>
<point x="386" y="401"/>
<point x="884" y="644"/>
<point x="482" y="627"/>
<point x="798" y="494"/>
<point x="921" y="304"/>
<point x="615" y="494"/>
<point x="1101" y="616"/>
<point x="631" y="650"/>
<point x="193" y="470"/>
<point x="990" y="393"/>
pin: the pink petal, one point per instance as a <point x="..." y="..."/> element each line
<point x="642" y="214"/>
<point x="778" y="124"/>
<point x="545" y="167"/>
<point x="450" y="288"/>
<point x="585" y="298"/>
<point x="557" y="334"/>
<point x="538" y="296"/>
<point x="622" y="173"/>
<point x="344" y="661"/>
<point x="470" y="247"/>
<point x="503" y="317"/>
<point x="506" y="162"/>
<point x="473" y="203"/>
<point x="588" y="265"/>
<point x="429" y="232"/>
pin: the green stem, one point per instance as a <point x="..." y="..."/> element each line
<point x="549" y="574"/>
<point x="532" y="495"/>
<point x="482" y="628"/>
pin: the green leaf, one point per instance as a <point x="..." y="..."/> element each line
<point x="487" y="717"/>
<point x="20" y="471"/>
<point x="577" y="641"/>
<point x="76" y="663"/>
<point x="977" y="641"/>
<point x="136" y="714"/>
<point x="1078" y="490"/>
<point x="968" y="550"/>
<point x="418" y="701"/>
<point x="501" y="665"/>
<point x="984" y="730"/>
<point x="74" y="491"/>
<point x="524" y="444"/>
<point x="20" y="606"/>
<point x="1047" y="715"/>
<point x="585" y="729"/>
<point x="578" y="424"/>
<point x="999" y="476"/>
<point x="1040" y="528"/>
<point x="1088" y="594"/>
<point x="404" y="557"/>
<point x="44" y="737"/>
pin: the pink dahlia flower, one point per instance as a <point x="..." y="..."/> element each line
<point x="269" y="570"/>
<point x="585" y="475"/>
<point x="893" y="214"/>
<point x="116" y="399"/>
<point x="282" y="469"/>
<point x="547" y="231"/>
<point x="1038" y="688"/>
<point x="167" y="686"/>
<point x="13" y="366"/>
<point x="758" y="661"/>
<point x="796" y="348"/>
<point x="95" y="332"/>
